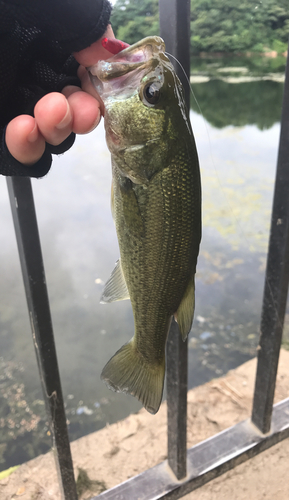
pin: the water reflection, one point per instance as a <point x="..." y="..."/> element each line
<point x="256" y="103"/>
<point x="80" y="248"/>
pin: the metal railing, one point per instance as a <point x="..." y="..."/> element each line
<point x="185" y="470"/>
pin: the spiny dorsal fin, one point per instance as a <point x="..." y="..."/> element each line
<point x="115" y="288"/>
<point x="185" y="313"/>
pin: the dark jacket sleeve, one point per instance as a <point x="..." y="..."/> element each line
<point x="37" y="38"/>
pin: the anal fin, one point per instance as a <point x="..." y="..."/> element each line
<point x="115" y="288"/>
<point x="185" y="313"/>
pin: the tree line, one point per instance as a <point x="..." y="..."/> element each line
<point x="216" y="25"/>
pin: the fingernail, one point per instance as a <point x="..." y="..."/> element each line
<point x="33" y="135"/>
<point x="95" y="124"/>
<point x="66" y="119"/>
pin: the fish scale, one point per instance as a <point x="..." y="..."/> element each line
<point x="156" y="200"/>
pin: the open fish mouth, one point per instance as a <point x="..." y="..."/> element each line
<point x="121" y="73"/>
<point x="129" y="59"/>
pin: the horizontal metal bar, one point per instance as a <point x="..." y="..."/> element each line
<point x="206" y="460"/>
<point x="26" y="229"/>
<point x="276" y="281"/>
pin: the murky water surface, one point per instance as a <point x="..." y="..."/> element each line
<point x="237" y="140"/>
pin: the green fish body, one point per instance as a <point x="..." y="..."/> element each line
<point x="156" y="204"/>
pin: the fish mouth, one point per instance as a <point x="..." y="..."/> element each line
<point x="129" y="59"/>
<point x="115" y="140"/>
<point x="121" y="73"/>
<point x="121" y="150"/>
<point x="132" y="149"/>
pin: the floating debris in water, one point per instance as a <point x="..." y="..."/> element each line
<point x="193" y="342"/>
<point x="84" y="410"/>
<point x="16" y="416"/>
<point x="38" y="402"/>
<point x="206" y="335"/>
<point x="201" y="319"/>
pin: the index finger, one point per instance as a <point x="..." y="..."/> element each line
<point x="95" y="52"/>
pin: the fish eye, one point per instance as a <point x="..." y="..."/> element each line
<point x="152" y="93"/>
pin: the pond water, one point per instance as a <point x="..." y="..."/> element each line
<point x="237" y="139"/>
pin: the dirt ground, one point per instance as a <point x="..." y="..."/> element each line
<point x="124" y="449"/>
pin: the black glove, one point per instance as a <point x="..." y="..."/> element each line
<point x="37" y="38"/>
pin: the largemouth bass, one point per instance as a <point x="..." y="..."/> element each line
<point x="156" y="205"/>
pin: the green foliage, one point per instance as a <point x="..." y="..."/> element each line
<point x="133" y="20"/>
<point x="216" y="25"/>
<point x="231" y="26"/>
<point x="280" y="47"/>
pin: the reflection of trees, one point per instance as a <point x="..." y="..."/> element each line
<point x="255" y="103"/>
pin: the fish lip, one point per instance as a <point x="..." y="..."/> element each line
<point x="131" y="58"/>
<point x="137" y="147"/>
<point x="119" y="149"/>
<point x="110" y="76"/>
<point x="133" y="147"/>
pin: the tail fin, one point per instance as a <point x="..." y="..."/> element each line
<point x="128" y="372"/>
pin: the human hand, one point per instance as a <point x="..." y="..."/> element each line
<point x="56" y="115"/>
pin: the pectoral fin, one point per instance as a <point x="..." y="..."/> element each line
<point x="185" y="313"/>
<point x="115" y="288"/>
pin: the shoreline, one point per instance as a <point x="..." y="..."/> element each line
<point x="215" y="55"/>
<point x="126" y="448"/>
<point x="273" y="77"/>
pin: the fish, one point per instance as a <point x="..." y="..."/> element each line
<point x="156" y="206"/>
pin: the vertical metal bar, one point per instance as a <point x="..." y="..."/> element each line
<point x="276" y="281"/>
<point x="175" y="30"/>
<point x="177" y="387"/>
<point x="25" y="223"/>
